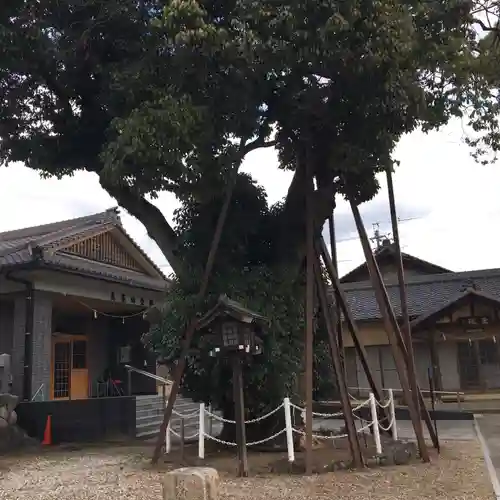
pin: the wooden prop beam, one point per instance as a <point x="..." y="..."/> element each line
<point x="333" y="250"/>
<point x="239" y="416"/>
<point x="352" y="435"/>
<point x="188" y="335"/>
<point x="392" y="331"/>
<point x="406" y="330"/>
<point x="423" y="409"/>
<point x="309" y="314"/>
<point x="322" y="250"/>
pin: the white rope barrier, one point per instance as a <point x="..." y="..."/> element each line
<point x="186" y="415"/>
<point x="289" y="429"/>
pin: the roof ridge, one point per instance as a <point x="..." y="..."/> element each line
<point x="427" y="278"/>
<point x="110" y="215"/>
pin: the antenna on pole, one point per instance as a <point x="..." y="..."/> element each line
<point x="377" y="238"/>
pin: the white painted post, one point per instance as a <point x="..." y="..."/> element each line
<point x="201" y="432"/>
<point x="376" y="430"/>
<point x="168" y="443"/>
<point x="392" y="412"/>
<point x="289" y="430"/>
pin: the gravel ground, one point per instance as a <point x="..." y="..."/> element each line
<point x="118" y="473"/>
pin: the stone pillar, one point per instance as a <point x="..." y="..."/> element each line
<point x="41" y="338"/>
<point x="42" y="343"/>
<point x="18" y="334"/>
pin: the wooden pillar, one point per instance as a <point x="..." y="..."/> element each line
<point x="436" y="368"/>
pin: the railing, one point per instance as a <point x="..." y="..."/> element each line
<point x="459" y="394"/>
<point x="289" y="429"/>
<point x="148" y="374"/>
<point x="39" y="391"/>
<point x="164" y="382"/>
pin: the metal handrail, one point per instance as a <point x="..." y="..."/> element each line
<point x="164" y="381"/>
<point x="38" y="391"/>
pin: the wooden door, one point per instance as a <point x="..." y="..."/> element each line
<point x="69" y="368"/>
<point x="61" y="369"/>
<point x="79" y="370"/>
<point x="468" y="363"/>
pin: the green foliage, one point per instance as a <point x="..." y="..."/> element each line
<point x="247" y="271"/>
<point x="154" y="93"/>
<point x="171" y="94"/>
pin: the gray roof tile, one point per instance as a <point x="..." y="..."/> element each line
<point x="424" y="293"/>
<point x="20" y="247"/>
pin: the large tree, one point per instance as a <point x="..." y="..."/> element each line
<point x="171" y="95"/>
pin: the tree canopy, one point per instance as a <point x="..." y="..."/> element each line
<point x="170" y="95"/>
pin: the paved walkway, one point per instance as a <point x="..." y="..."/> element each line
<point x="489" y="429"/>
<point x="448" y="430"/>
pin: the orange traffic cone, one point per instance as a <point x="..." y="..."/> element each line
<point x="47" y="435"/>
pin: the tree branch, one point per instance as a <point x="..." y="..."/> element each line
<point x="156" y="225"/>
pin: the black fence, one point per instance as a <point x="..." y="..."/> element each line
<point x="82" y="420"/>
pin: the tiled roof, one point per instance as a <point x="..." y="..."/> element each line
<point x="387" y="252"/>
<point x="425" y="293"/>
<point x="29" y="245"/>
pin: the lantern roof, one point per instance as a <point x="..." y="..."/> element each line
<point x="227" y="307"/>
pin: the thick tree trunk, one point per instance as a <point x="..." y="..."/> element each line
<point x="156" y="225"/>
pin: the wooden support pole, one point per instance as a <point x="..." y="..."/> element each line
<point x="402" y="346"/>
<point x="392" y="331"/>
<point x="338" y="315"/>
<point x="309" y="314"/>
<point x="406" y="330"/>
<point x="239" y="416"/>
<point x="352" y="435"/>
<point x="188" y="335"/>
<point x="351" y="324"/>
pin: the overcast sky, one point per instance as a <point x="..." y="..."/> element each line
<point x="453" y="201"/>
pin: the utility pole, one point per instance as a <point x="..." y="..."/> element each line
<point x="377" y="237"/>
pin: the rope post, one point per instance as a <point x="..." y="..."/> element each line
<point x="183" y="437"/>
<point x="210" y="420"/>
<point x="376" y="430"/>
<point x="392" y="411"/>
<point x="168" y="443"/>
<point x="289" y="430"/>
<point x="201" y="432"/>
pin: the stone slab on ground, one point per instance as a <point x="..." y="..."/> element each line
<point x="191" y="483"/>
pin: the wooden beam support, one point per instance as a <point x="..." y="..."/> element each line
<point x="352" y="435"/>
<point x="353" y="328"/>
<point x="188" y="335"/>
<point x="338" y="315"/>
<point x="392" y="330"/>
<point x="406" y="330"/>
<point x="239" y="416"/>
<point x="392" y="317"/>
<point x="309" y="354"/>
